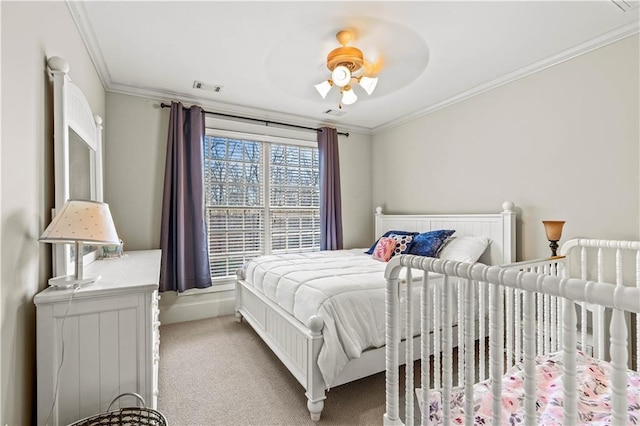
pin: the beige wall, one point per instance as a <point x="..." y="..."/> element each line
<point x="562" y="144"/>
<point x="135" y="153"/>
<point x="31" y="32"/>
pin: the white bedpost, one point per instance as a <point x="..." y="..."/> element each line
<point x="239" y="276"/>
<point x="315" y="392"/>
<point x="508" y="232"/>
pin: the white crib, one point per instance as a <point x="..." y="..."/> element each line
<point x="529" y="309"/>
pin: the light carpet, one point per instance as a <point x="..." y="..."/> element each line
<point x="219" y="372"/>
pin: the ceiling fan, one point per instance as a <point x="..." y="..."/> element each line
<point x="348" y="67"/>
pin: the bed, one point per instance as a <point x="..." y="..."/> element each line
<point x="561" y="350"/>
<point x="301" y="336"/>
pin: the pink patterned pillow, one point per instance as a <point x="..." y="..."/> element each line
<point x="384" y="249"/>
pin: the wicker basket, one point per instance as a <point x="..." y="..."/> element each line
<point x="128" y="416"/>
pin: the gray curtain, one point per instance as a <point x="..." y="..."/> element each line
<point x="183" y="237"/>
<point x="330" y="201"/>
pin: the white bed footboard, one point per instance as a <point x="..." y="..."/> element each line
<point x="541" y="318"/>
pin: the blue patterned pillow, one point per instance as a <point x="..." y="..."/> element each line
<point x="386" y="234"/>
<point x="429" y="243"/>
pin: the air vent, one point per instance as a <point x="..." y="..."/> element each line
<point x="335" y="112"/>
<point x="215" y="88"/>
<point x="626" y="5"/>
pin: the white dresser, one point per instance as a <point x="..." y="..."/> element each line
<point x="109" y="332"/>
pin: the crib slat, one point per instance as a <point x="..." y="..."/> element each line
<point x="510" y="326"/>
<point x="540" y="322"/>
<point x="447" y="350"/>
<point x="554" y="324"/>
<point x="518" y="309"/>
<point x="408" y="407"/>
<point x="546" y="320"/>
<point x="469" y="353"/>
<point x="437" y="324"/>
<point x="529" y="358"/>
<point x="461" y="328"/>
<point x="496" y="342"/>
<point x="618" y="349"/>
<point x="598" y="314"/>
<point x="569" y="363"/>
<point x="425" y="308"/>
<point x="638" y="315"/>
<point x="481" y="329"/>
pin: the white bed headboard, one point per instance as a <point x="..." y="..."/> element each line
<point x="499" y="227"/>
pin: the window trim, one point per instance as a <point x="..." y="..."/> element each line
<point x="259" y="138"/>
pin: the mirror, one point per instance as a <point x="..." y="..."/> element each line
<point x="81" y="186"/>
<point x="77" y="155"/>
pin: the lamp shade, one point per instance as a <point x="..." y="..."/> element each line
<point x="82" y="220"/>
<point x="323" y="88"/>
<point x="368" y="84"/>
<point x="348" y="96"/>
<point x="553" y="229"/>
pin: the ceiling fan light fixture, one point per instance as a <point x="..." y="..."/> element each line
<point x="348" y="96"/>
<point x="368" y="84"/>
<point x="341" y="76"/>
<point x="323" y="88"/>
<point x="347" y="66"/>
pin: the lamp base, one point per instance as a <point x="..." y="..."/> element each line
<point x="69" y="281"/>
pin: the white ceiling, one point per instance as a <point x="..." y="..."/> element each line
<point x="268" y="55"/>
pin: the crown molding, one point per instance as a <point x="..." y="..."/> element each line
<point x="586" y="47"/>
<point x="232" y="109"/>
<point x="79" y="16"/>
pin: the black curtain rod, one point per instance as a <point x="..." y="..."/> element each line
<point x="267" y="122"/>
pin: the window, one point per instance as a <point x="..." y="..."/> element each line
<point x="261" y="197"/>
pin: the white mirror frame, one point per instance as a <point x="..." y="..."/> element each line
<point x="71" y="110"/>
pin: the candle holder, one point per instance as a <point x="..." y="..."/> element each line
<point x="553" y="229"/>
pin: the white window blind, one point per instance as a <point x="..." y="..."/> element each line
<point x="260" y="198"/>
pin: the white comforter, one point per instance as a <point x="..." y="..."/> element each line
<point x="346" y="288"/>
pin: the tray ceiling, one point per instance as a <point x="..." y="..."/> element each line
<point x="268" y="55"/>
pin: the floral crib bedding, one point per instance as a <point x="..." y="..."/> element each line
<point x="594" y="395"/>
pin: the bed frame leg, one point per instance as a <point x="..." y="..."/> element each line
<point x="315" y="409"/>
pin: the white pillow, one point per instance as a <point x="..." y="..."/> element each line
<point x="464" y="249"/>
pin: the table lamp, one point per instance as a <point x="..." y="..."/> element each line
<point x="553" y="229"/>
<point x="79" y="222"/>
